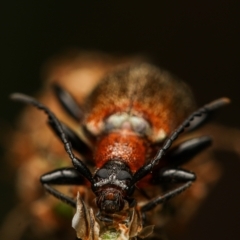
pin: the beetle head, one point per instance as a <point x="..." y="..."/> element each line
<point x="111" y="184"/>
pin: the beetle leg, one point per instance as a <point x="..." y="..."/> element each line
<point x="159" y="200"/>
<point x="77" y="143"/>
<point x="147" y="168"/>
<point x="77" y="163"/>
<point x="186" y="150"/>
<point x="176" y="176"/>
<point x="61" y="177"/>
<point x="59" y="195"/>
<point x="68" y="102"/>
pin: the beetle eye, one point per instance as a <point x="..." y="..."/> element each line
<point x="123" y="175"/>
<point x="102" y="173"/>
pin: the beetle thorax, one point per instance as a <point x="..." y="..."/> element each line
<point x="124" y="146"/>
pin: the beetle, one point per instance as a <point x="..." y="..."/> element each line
<point x="131" y="118"/>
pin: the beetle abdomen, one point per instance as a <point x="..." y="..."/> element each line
<point x="142" y="91"/>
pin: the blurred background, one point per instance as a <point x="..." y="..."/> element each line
<point x="196" y="40"/>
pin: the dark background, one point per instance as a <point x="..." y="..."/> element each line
<point x="196" y="40"/>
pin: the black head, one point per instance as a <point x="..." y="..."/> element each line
<point x="111" y="185"/>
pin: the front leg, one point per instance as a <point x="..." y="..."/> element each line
<point x="174" y="176"/>
<point x="61" y="177"/>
